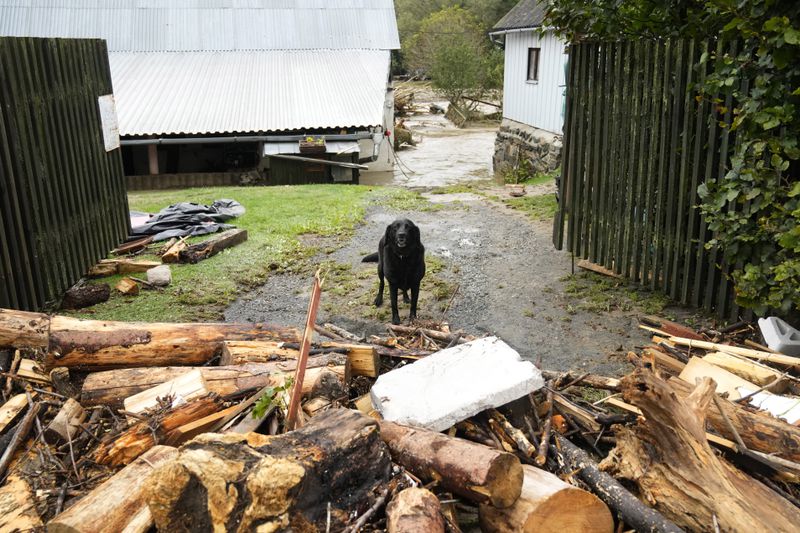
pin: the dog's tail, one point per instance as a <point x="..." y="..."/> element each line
<point x="371" y="258"/>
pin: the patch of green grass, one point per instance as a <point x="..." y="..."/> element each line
<point x="475" y="187"/>
<point x="404" y="200"/>
<point x="275" y="218"/>
<point x="600" y="294"/>
<point x="539" y="207"/>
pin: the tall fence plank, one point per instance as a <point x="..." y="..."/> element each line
<point x="637" y="145"/>
<point x="63" y="196"/>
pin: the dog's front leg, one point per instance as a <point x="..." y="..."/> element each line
<point x="414" y="297"/>
<point x="393" y="296"/>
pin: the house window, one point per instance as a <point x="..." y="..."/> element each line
<point x="533" y="64"/>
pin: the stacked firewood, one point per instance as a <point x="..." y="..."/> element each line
<point x="110" y="426"/>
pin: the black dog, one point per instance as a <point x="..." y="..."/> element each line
<point x="401" y="259"/>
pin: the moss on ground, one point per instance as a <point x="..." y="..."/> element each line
<point x="595" y="293"/>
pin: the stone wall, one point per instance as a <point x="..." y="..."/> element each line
<point x="517" y="141"/>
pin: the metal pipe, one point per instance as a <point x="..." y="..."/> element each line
<point x="245" y="139"/>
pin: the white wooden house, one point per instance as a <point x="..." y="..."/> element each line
<point x="533" y="90"/>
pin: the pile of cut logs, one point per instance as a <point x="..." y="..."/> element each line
<point x="110" y="426"/>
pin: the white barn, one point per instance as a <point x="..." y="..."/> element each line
<point x="230" y="87"/>
<point x="533" y="90"/>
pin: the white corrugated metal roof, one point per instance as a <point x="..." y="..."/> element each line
<point x="161" y="93"/>
<point x="191" y="25"/>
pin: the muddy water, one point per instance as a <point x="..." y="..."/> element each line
<point x="444" y="155"/>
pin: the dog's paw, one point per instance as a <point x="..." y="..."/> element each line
<point x="396" y="320"/>
<point x="379" y="301"/>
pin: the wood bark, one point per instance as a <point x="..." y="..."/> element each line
<point x="667" y="456"/>
<point x="132" y="246"/>
<point x="21" y="329"/>
<point x="214" y="245"/>
<point x="364" y="360"/>
<point x="586" y="380"/>
<point x="471" y="470"/>
<point x="173" y="253"/>
<point x="117" y="504"/>
<point x="111" y="387"/>
<point x="547" y="504"/>
<point x="632" y="511"/>
<point x="109" y="267"/>
<point x="17" y="509"/>
<point x="86" y="295"/>
<point x="414" y="510"/>
<point x="128" y="287"/>
<point x="67" y="423"/>
<point x="94" y="344"/>
<point x="254" y="482"/>
<point x="759" y="431"/>
<point x="122" y="449"/>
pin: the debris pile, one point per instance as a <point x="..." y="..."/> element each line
<point x="110" y="426"/>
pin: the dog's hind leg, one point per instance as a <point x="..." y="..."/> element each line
<point x="393" y="296"/>
<point x="414" y="297"/>
<point x="379" y="297"/>
<point x="405" y="296"/>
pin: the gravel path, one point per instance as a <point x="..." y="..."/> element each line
<point x="509" y="281"/>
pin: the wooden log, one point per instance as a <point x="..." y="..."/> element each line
<point x="85" y="295"/>
<point x="432" y="333"/>
<point x="20" y="434"/>
<point x="668" y="458"/>
<point x="17" y="509"/>
<point x="61" y="382"/>
<point x="213" y="246"/>
<point x="664" y="360"/>
<point x="627" y="506"/>
<point x="117" y="504"/>
<point x="94" y="344"/>
<point x="110" y="267"/>
<point x="583" y="416"/>
<point x="471" y="470"/>
<point x="132" y="246"/>
<point x="548" y="504"/>
<point x="21" y="329"/>
<point x="128" y="287"/>
<point x="759" y="430"/>
<point x="130" y="444"/>
<point x="785" y="360"/>
<point x="111" y="387"/>
<point x="672" y="328"/>
<point x="277" y="483"/>
<point x="751" y="371"/>
<point x="185" y="387"/>
<point x="328" y="389"/>
<point x="67" y="423"/>
<point x="12" y="409"/>
<point x="414" y="510"/>
<point x="173" y="252"/>
<point x="364" y="359"/>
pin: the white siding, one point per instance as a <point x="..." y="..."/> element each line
<point x="538" y="104"/>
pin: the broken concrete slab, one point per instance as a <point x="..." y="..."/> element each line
<point x="454" y="384"/>
<point x="160" y="276"/>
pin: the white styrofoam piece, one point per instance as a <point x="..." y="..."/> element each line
<point x="780" y="336"/>
<point x="454" y="384"/>
<point x="784" y="407"/>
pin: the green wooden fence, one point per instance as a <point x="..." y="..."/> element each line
<point x="637" y="144"/>
<point x="62" y="196"/>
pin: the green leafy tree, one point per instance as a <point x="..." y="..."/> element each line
<point x="754" y="210"/>
<point x="451" y="48"/>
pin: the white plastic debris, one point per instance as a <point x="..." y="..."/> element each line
<point x="454" y="384"/>
<point x="780" y="336"/>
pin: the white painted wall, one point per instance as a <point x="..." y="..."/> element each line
<point x="539" y="104"/>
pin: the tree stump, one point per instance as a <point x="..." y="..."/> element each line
<point x="675" y="469"/>
<point x="414" y="510"/>
<point x="247" y="482"/>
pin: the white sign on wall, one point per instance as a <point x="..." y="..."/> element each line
<point x="109" y="122"/>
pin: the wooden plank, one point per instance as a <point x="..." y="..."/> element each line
<point x="561" y="211"/>
<point x="12" y="409"/>
<point x="640" y="247"/>
<point x="576" y="167"/>
<point x="17" y="507"/>
<point x="622" y="171"/>
<point x="727" y="382"/>
<point x="32" y="370"/>
<point x="752" y="371"/>
<point x="189" y="431"/>
<point x="605" y="182"/>
<point x="183" y="388"/>
<point x="613" y="174"/>
<point x="590" y="189"/>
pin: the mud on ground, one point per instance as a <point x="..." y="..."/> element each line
<point x="490" y="270"/>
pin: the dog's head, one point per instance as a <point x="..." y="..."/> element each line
<point x="402" y="234"/>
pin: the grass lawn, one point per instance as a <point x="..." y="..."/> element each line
<point x="276" y="217"/>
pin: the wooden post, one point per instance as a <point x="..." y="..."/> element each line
<point x="152" y="159"/>
<point x="302" y="360"/>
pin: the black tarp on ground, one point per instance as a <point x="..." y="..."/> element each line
<point x="188" y="219"/>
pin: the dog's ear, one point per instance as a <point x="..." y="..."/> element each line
<point x="415" y="232"/>
<point x="388" y="236"/>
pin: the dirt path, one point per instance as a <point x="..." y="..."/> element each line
<point x="507" y="277"/>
